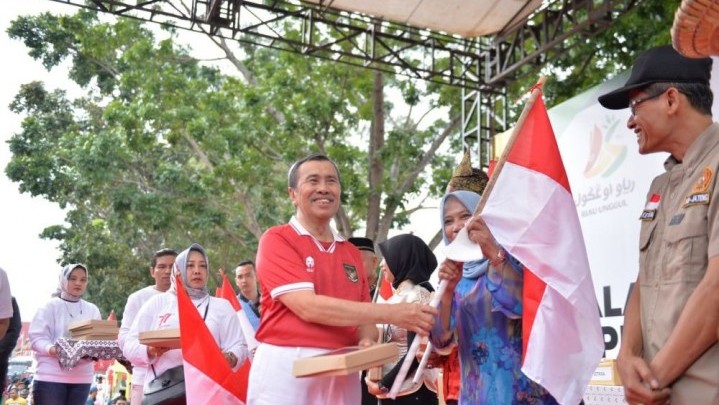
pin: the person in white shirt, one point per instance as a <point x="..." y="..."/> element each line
<point x="6" y="310"/>
<point x="160" y="270"/>
<point x="161" y="312"/>
<point x="53" y="384"/>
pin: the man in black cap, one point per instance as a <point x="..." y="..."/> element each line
<point x="669" y="347"/>
<point x="369" y="260"/>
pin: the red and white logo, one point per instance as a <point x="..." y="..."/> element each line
<point x="310" y="264"/>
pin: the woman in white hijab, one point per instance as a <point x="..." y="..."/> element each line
<point x="161" y="312"/>
<point x="52" y="384"/>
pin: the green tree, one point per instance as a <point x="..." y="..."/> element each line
<point x="590" y="59"/>
<point x="163" y="150"/>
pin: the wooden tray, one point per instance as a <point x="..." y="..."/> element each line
<point x="606" y="373"/>
<point x="168" y="338"/>
<point x="96" y="336"/>
<point x="92" y="324"/>
<point x="346" y="360"/>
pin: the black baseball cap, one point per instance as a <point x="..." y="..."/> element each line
<point x="657" y="65"/>
<point x="362" y="243"/>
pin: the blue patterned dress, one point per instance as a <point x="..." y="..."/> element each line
<point x="486" y="318"/>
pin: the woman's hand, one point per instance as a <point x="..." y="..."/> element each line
<point x="153" y="352"/>
<point x="230" y="358"/>
<point x="52" y="351"/>
<point x="479" y="233"/>
<point x="452" y="272"/>
<point x="366" y="342"/>
<point x="373" y="387"/>
<point x="434" y="359"/>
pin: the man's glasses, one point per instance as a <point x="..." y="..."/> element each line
<point x="634" y="103"/>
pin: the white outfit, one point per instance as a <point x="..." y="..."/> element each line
<point x="5" y="296"/>
<point x="272" y="382"/>
<point x="49" y="324"/>
<point x="132" y="307"/>
<point x="407" y="292"/>
<point x="160" y="312"/>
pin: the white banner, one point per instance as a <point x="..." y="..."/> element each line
<point x="609" y="181"/>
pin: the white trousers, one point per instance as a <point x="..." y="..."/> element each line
<point x="272" y="383"/>
<point x="136" y="394"/>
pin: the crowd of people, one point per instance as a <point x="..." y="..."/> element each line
<point x="310" y="290"/>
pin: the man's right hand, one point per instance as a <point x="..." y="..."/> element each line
<point x="418" y="318"/>
<point x="640" y="386"/>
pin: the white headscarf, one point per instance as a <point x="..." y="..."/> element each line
<point x="62" y="290"/>
<point x="180" y="268"/>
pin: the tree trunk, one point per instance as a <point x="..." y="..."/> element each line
<point x="376" y="166"/>
<point x="407" y="182"/>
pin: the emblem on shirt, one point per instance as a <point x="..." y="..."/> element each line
<point x="700" y="190"/>
<point x="351" y="272"/>
<point x="677" y="219"/>
<point x="650" y="210"/>
<point x="310" y="264"/>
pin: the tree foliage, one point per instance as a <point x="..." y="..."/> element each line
<point x="163" y="150"/>
<point x="591" y="59"/>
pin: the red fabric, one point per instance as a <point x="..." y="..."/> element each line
<point x="225" y="291"/>
<point x="532" y="293"/>
<point x="451" y="376"/>
<point x="385" y="288"/>
<point x="563" y="340"/>
<point x="214" y="378"/>
<point x="490" y="169"/>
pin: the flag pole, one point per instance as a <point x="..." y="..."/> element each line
<point x="377" y="285"/>
<point x="535" y="91"/>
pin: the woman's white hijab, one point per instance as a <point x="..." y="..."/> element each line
<point x="180" y="268"/>
<point x="63" y="280"/>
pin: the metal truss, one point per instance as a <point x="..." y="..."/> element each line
<point x="481" y="67"/>
<point x="523" y="51"/>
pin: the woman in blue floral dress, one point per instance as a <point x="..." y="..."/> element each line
<point x="481" y="311"/>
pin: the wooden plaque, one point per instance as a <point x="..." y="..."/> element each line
<point x="346" y="360"/>
<point x="168" y="338"/>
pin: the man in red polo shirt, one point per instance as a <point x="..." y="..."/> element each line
<point x="315" y="296"/>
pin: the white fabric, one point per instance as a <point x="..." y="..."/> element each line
<point x="132" y="307"/>
<point x="272" y="382"/>
<point x="136" y="393"/>
<point x="535" y="219"/>
<point x="5" y="296"/>
<point x="160" y="312"/>
<point x="201" y="389"/>
<point x="50" y="323"/>
<point x="462" y="249"/>
<point x="407" y="292"/>
<point x="248" y="332"/>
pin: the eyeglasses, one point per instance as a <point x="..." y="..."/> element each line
<point x="634" y="103"/>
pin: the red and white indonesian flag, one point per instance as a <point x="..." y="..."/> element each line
<point x="208" y="377"/>
<point x="225" y="291"/>
<point x="532" y="214"/>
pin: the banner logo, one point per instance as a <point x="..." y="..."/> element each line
<point x="604" y="156"/>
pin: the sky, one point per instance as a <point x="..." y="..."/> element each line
<point x="31" y="262"/>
